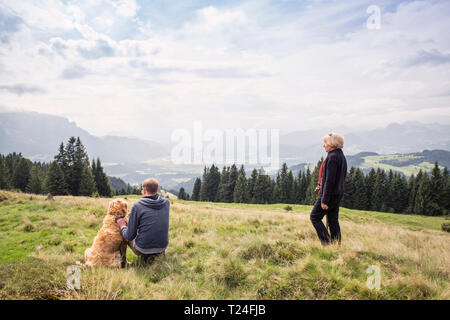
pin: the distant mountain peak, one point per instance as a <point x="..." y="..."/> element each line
<point x="39" y="135"/>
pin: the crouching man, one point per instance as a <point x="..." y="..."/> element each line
<point x="147" y="233"/>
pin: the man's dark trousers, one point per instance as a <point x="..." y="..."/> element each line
<point x="332" y="213"/>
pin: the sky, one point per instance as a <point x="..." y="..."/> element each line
<point x="145" y="68"/>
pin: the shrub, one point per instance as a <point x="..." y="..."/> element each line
<point x="189" y="244"/>
<point x="3" y="197"/>
<point x="234" y="274"/>
<point x="260" y="251"/>
<point x="445" y="226"/>
<point x="69" y="247"/>
<point x="288" y="208"/>
<point x="28" y="225"/>
<point x="279" y="253"/>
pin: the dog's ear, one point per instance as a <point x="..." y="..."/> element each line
<point x="124" y="206"/>
<point x="118" y="207"/>
<point x="114" y="208"/>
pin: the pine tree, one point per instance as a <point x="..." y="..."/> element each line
<point x="296" y="191"/>
<point x="70" y="176"/>
<point x="389" y="192"/>
<point x="412" y="190"/>
<point x="213" y="182"/>
<point x="196" y="190"/>
<point x="182" y="194"/>
<point x="284" y="184"/>
<point x="35" y="184"/>
<point x="251" y="185"/>
<point x="276" y="196"/>
<point x="203" y="189"/>
<point x="399" y="194"/>
<point x="423" y="197"/>
<point x="310" y="194"/>
<point x="270" y="190"/>
<point x="210" y="185"/>
<point x="379" y="193"/>
<point x="54" y="181"/>
<point x="348" y="200"/>
<point x="223" y="189"/>
<point x="21" y="174"/>
<point x="95" y="173"/>
<point x="269" y="186"/>
<point x="81" y="162"/>
<point x="305" y="184"/>
<point x="5" y="179"/>
<point x="370" y="184"/>
<point x="291" y="186"/>
<point x="87" y="183"/>
<point x="262" y="188"/>
<point x="240" y="194"/>
<point x="446" y="193"/>
<point x="404" y="198"/>
<point x="360" y="192"/>
<point x="232" y="183"/>
<point x="101" y="179"/>
<point x="445" y="175"/>
<point x="436" y="191"/>
<point x="61" y="158"/>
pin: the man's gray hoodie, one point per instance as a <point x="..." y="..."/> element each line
<point x="148" y="224"/>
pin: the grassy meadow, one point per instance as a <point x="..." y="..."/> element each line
<point x="223" y="251"/>
<point x="408" y="170"/>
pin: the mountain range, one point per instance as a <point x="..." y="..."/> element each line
<point x="409" y="137"/>
<point x="37" y="136"/>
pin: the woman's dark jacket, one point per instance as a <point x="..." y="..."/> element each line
<point x="333" y="175"/>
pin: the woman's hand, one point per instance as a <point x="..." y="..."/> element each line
<point x="317" y="190"/>
<point x="324" y="206"/>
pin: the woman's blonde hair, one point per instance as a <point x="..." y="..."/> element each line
<point x="334" y="140"/>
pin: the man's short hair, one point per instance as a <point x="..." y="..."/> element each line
<point x="150" y="185"/>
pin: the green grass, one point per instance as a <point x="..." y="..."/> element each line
<point x="408" y="220"/>
<point x="375" y="162"/>
<point x="223" y="251"/>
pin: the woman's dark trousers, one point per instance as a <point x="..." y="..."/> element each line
<point x="332" y="213"/>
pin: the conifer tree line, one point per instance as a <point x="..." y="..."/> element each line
<point x="130" y="189"/>
<point x="70" y="173"/>
<point x="379" y="190"/>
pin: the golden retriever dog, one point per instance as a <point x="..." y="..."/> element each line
<point x="109" y="247"/>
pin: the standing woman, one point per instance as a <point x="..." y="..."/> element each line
<point x="330" y="189"/>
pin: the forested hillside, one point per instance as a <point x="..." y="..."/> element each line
<point x="379" y="190"/>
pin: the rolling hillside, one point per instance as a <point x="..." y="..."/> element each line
<point x="407" y="164"/>
<point x="223" y="251"/>
<point x="408" y="137"/>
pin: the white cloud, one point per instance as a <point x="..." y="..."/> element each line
<point x="126" y="8"/>
<point x="231" y="67"/>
